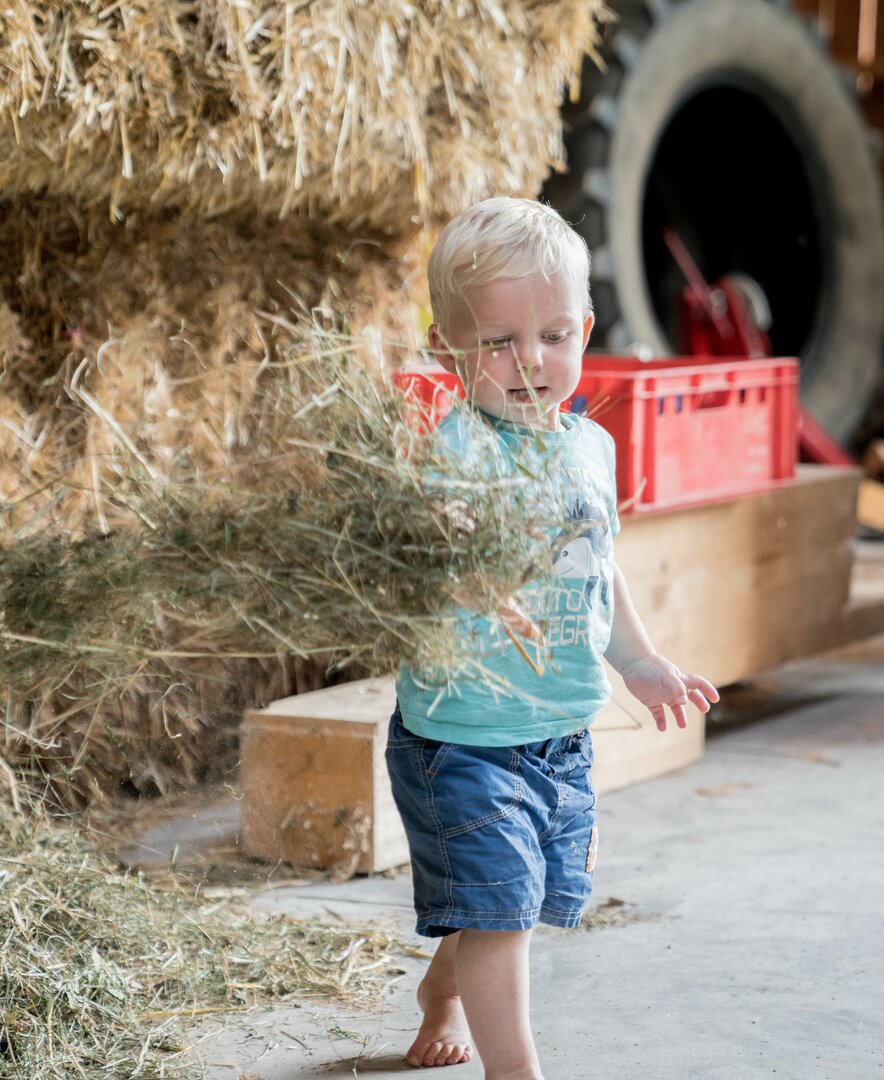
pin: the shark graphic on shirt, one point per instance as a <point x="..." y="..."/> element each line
<point x="585" y="554"/>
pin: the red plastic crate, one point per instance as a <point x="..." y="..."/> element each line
<point x="431" y="390"/>
<point x="692" y="429"/>
<point x="687" y="429"/>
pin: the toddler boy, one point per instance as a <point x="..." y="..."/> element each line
<point x="494" y="788"/>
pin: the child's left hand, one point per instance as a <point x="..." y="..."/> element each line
<point x="658" y="684"/>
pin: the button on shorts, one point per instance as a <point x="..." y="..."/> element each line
<point x="501" y="837"/>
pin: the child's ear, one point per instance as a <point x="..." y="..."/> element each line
<point x="441" y="349"/>
<point x="588" y="323"/>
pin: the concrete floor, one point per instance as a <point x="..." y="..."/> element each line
<point x="750" y="938"/>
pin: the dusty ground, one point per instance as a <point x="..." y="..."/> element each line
<point x="736" y="932"/>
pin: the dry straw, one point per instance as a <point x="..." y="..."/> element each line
<point x="329" y="534"/>
<point x="72" y="281"/>
<point x="101" y="972"/>
<point x="360" y="114"/>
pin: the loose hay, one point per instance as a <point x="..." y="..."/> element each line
<point x="358" y="114"/>
<point x="100" y="972"/>
<point x="329" y="534"/>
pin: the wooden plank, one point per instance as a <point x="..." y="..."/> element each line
<point x="845" y="31"/>
<point x="660" y="546"/>
<point x="744" y="620"/>
<point x="724" y="589"/>
<point x="353" y="702"/>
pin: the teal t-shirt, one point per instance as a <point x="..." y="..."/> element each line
<point x="513" y="704"/>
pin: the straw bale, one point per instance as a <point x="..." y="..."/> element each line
<point x="382" y="115"/>
<point x="158" y="338"/>
<point x="71" y="280"/>
<point x="89" y="743"/>
<point x="149" y="290"/>
<point x="179" y="317"/>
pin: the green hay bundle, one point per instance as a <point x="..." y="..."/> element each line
<point x="330" y="535"/>
<point x="100" y="972"/>
<point x="365" y="115"/>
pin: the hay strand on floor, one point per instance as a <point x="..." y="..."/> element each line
<point x="101" y="971"/>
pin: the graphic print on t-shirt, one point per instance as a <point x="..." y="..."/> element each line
<point x="575" y="609"/>
<point x="586" y="554"/>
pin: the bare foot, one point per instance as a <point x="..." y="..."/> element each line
<point x="444" y="1037"/>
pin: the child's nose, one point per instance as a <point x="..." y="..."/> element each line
<point x="530" y="358"/>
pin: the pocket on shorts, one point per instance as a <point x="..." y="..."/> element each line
<point x="471" y="786"/>
<point x="398" y="735"/>
<point x="434" y="755"/>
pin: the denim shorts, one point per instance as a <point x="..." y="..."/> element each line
<point x="501" y="837"/>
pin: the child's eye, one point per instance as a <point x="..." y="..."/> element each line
<point x="496" y="343"/>
<point x="554" y="337"/>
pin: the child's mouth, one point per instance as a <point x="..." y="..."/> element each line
<point x="526" y="396"/>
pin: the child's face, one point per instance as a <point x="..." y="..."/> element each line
<point x="517" y="345"/>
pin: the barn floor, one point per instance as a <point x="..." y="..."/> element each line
<point x="736" y="931"/>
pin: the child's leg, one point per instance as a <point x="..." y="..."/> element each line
<point x="492" y="976"/>
<point x="443" y="1038"/>
<point x="487" y="970"/>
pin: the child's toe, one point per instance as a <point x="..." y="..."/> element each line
<point x="459" y="1053"/>
<point x="442" y="1058"/>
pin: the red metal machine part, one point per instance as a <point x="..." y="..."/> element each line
<point x="717" y="320"/>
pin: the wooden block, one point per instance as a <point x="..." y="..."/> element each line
<point x="315" y="790"/>
<point x="732" y="588"/>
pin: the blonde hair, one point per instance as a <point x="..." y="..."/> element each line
<point x="503" y="238"/>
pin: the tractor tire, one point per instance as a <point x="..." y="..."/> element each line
<point x="725" y="120"/>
